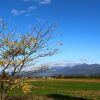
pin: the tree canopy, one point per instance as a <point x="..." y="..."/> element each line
<point x="21" y="50"/>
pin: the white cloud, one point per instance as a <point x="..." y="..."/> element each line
<point x="63" y="63"/>
<point x="25" y="11"/>
<point x="44" y="1"/>
<point x="17" y="12"/>
<point x="26" y="0"/>
<point x="41" y="2"/>
<point x="31" y="8"/>
<point x="84" y="60"/>
<point x="27" y="15"/>
<point x="68" y="63"/>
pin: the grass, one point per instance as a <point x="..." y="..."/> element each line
<point x="62" y="89"/>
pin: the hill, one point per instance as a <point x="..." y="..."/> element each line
<point x="79" y="69"/>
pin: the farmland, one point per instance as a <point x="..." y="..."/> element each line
<point x="61" y="89"/>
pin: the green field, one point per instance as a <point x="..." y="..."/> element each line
<point x="62" y="89"/>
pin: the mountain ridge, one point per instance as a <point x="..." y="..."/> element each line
<point x="79" y="69"/>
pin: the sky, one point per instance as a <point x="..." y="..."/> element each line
<point x="78" y="22"/>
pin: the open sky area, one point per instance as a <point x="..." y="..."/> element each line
<point x="78" y="23"/>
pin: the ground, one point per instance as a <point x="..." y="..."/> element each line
<point x="61" y="89"/>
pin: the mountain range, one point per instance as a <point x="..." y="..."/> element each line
<point x="77" y="69"/>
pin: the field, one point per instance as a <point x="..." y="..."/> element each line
<point x="61" y="89"/>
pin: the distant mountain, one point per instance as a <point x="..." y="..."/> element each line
<point x="79" y="69"/>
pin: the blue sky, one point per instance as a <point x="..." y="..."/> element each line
<point x="78" y="22"/>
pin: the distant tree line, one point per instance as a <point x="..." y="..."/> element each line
<point x="76" y="76"/>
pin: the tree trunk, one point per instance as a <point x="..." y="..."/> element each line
<point x="3" y="96"/>
<point x="2" y="93"/>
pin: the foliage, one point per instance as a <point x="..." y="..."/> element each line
<point x="19" y="51"/>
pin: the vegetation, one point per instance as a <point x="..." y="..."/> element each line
<point x="77" y="76"/>
<point x="18" y="51"/>
<point x="61" y="89"/>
